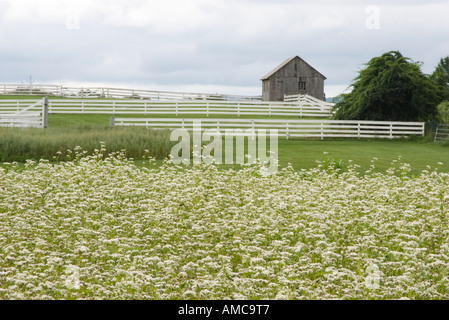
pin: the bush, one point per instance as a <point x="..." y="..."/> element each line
<point x="443" y="112"/>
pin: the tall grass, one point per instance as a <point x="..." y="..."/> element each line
<point x="18" y="144"/>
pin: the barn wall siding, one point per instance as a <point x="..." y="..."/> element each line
<point x="285" y="81"/>
<point x="265" y="90"/>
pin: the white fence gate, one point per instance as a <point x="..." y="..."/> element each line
<point x="289" y="128"/>
<point x="24" y="113"/>
<point x="442" y="133"/>
<point x="307" y="99"/>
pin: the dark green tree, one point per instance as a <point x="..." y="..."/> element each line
<point x="390" y="88"/>
<point x="441" y="78"/>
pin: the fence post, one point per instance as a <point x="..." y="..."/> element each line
<point x="45" y="112"/>
<point x="287" y="134"/>
<point x="391" y="131"/>
<point x="436" y="134"/>
<point x="112" y="122"/>
<point x="358" y="130"/>
<point x="322" y="131"/>
<point x="253" y="131"/>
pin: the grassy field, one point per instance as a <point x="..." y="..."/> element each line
<point x="19" y="145"/>
<point x="101" y="226"/>
<point x="103" y="120"/>
<point x="302" y="154"/>
<point x="106" y="229"/>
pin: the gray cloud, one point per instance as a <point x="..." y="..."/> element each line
<point x="181" y="43"/>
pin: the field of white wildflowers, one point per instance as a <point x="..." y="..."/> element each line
<point x="100" y="227"/>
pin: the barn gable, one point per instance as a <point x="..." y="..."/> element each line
<point x="293" y="76"/>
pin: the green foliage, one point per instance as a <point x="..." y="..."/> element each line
<point x="390" y="88"/>
<point x="441" y="78"/>
<point x="332" y="164"/>
<point x="443" y="112"/>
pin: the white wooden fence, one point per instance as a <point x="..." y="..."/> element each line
<point x="24" y="113"/>
<point x="306" y="99"/>
<point x="289" y="128"/>
<point x="442" y="133"/>
<point x="107" y="92"/>
<point x="175" y="108"/>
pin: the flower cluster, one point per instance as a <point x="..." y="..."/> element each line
<point x="101" y="227"/>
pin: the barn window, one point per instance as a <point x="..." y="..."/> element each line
<point x="302" y="86"/>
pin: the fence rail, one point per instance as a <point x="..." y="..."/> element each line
<point x="23" y="113"/>
<point x="107" y="92"/>
<point x="31" y="119"/>
<point x="176" y="108"/>
<point x="442" y="133"/>
<point x="288" y="128"/>
<point x="306" y="99"/>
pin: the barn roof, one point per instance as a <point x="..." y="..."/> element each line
<point x="283" y="64"/>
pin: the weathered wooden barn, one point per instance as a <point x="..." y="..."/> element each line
<point x="293" y="76"/>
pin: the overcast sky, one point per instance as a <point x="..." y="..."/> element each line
<point x="223" y="46"/>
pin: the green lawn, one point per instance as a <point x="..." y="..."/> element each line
<point x="76" y="120"/>
<point x="305" y="153"/>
